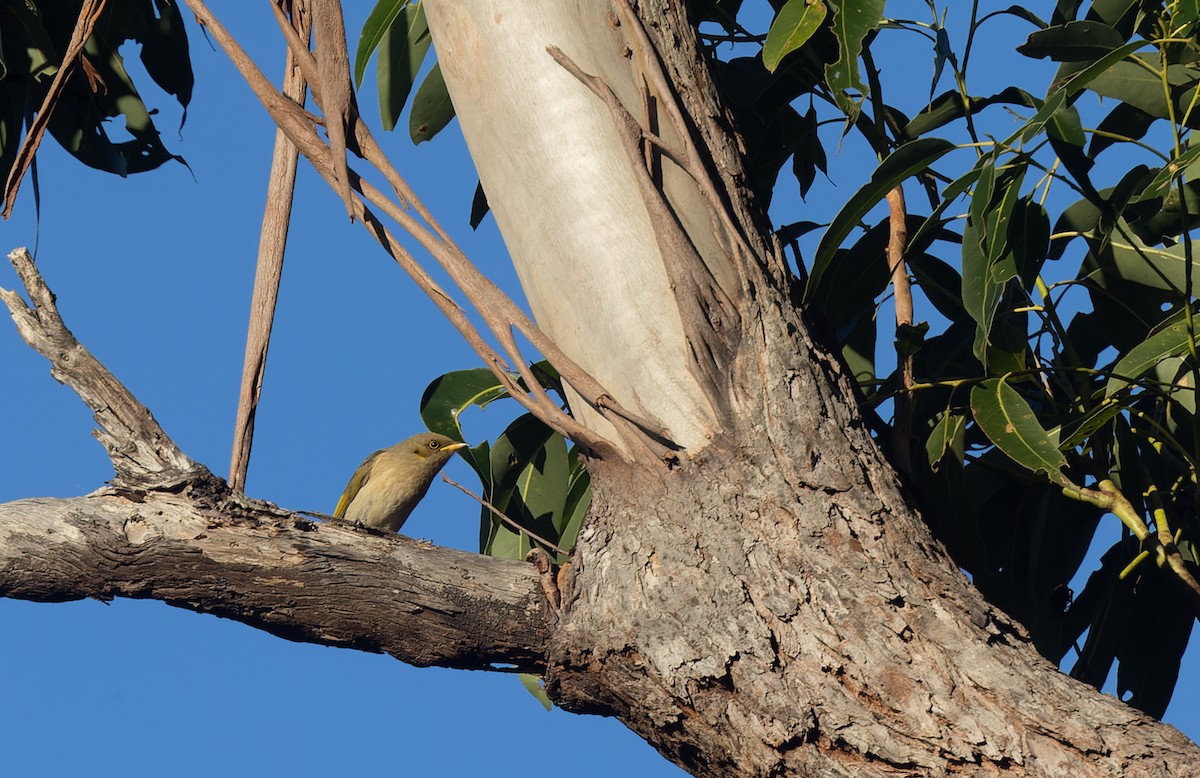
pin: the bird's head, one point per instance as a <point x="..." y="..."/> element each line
<point x="432" y="448"/>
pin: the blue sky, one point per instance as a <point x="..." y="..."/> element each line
<point x="153" y="274"/>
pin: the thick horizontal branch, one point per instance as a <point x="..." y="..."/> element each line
<point x="303" y="580"/>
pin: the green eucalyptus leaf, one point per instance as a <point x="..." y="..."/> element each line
<point x="1178" y="379"/>
<point x="940" y="282"/>
<point x="1137" y="84"/>
<point x="793" y="26"/>
<point x="449" y="395"/>
<point x="12" y="120"/>
<point x="373" y="30"/>
<point x="1102" y="609"/>
<point x="402" y="51"/>
<point x="905" y="162"/>
<point x="987" y="259"/>
<point x="1170" y="341"/>
<point x="858" y="342"/>
<point x="950" y="106"/>
<point x="544" y="483"/>
<point x="1077" y="41"/>
<point x="1123" y="121"/>
<point x="855" y="279"/>
<point x="1067" y="86"/>
<point x="1008" y="422"/>
<point x="951" y="193"/>
<point x="852" y="20"/>
<point x="479" y="206"/>
<point x="513" y="451"/>
<point x="499" y="540"/>
<point x="1029" y="237"/>
<point x="165" y="53"/>
<point x="511" y="454"/>
<point x="1075" y="431"/>
<point x="1160" y="186"/>
<point x="1156" y="267"/>
<point x="948" y="436"/>
<point x="431" y="108"/>
<point x="579" y="499"/>
<point x="1065" y="125"/>
<point x="808" y="154"/>
<point x="1150" y="650"/>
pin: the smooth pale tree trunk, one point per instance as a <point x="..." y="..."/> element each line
<point x="561" y="187"/>
<point x="771" y="604"/>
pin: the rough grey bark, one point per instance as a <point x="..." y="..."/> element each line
<point x="204" y="549"/>
<point x="774" y="605"/>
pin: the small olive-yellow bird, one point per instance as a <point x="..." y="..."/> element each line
<point x="388" y="484"/>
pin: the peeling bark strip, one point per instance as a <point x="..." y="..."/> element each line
<point x="311" y="582"/>
<point x="268" y="272"/>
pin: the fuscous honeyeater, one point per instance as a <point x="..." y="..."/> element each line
<point x="388" y="484"/>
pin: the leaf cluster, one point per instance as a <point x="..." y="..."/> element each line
<point x="1055" y="381"/>
<point x="34" y="37"/>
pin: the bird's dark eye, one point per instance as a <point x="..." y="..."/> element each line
<point x="434" y="444"/>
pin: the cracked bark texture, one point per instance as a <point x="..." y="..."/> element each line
<point x="206" y="550"/>
<point x="775" y="607"/>
<point x="772" y="606"/>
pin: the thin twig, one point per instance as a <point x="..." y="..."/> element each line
<point x="336" y="93"/>
<point x="902" y="290"/>
<point x="708" y="327"/>
<point x="500" y="514"/>
<point x="734" y="240"/>
<point x="480" y="291"/>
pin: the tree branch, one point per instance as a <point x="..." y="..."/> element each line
<point x="209" y="551"/>
<point x="142" y="454"/>
<point x="169" y="530"/>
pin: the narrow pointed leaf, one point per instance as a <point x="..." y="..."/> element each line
<point x="903" y="163"/>
<point x="851" y="23"/>
<point x="401" y="54"/>
<point x="1172" y="341"/>
<point x="1153" y="266"/>
<point x="376" y="26"/>
<point x="793" y="26"/>
<point x="1008" y="421"/>
<point x="479" y="206"/>
<point x="431" y="109"/>
<point x="1072" y="42"/>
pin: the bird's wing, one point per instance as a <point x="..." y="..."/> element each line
<point x="357" y="481"/>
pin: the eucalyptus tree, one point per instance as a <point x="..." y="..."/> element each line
<point x="747" y="533"/>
